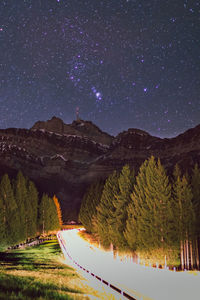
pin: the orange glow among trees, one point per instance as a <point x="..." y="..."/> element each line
<point x="59" y="212"/>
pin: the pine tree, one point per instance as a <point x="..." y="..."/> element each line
<point x="28" y="211"/>
<point x="84" y="213"/>
<point x="20" y="195"/>
<point x="150" y="221"/>
<point x="32" y="198"/>
<point x="88" y="210"/>
<point x="43" y="218"/>
<point x="2" y="224"/>
<point x="10" y="211"/>
<point x="106" y="209"/>
<point x="48" y="217"/>
<point x="195" y="183"/>
<point x="147" y="222"/>
<point x="158" y="199"/>
<point x="164" y="214"/>
<point x="53" y="219"/>
<point x="117" y="227"/>
<point x="185" y="217"/>
<point x="176" y="172"/>
<point x="59" y="212"/>
<point x="134" y="209"/>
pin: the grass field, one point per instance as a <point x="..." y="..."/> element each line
<point x="39" y="273"/>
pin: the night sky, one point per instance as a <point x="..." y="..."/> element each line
<point x="124" y="63"/>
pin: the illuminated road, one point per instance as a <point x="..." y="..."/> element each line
<point x="138" y="281"/>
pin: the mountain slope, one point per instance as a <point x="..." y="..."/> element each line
<point x="65" y="158"/>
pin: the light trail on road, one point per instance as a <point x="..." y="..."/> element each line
<point x="136" y="280"/>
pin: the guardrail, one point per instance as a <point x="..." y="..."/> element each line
<point x="116" y="289"/>
<point x="31" y="243"/>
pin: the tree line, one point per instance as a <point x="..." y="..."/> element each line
<point x="23" y="214"/>
<point x="151" y="215"/>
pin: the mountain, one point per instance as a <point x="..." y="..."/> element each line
<point x="78" y="128"/>
<point x="66" y="158"/>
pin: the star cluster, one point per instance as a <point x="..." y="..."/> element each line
<point x="124" y="63"/>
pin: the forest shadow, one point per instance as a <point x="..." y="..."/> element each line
<point x="30" y="288"/>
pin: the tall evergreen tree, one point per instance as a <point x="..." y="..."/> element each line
<point x="164" y="214"/>
<point x="53" y="219"/>
<point x="43" y="218"/>
<point x="88" y="210"/>
<point x="28" y="211"/>
<point x="146" y="225"/>
<point x="10" y="215"/>
<point x="32" y="198"/>
<point x="122" y="200"/>
<point x="2" y="224"/>
<point x="195" y="183"/>
<point x="185" y="217"/>
<point x="134" y="209"/>
<point x="176" y="172"/>
<point x="20" y="195"/>
<point x="106" y="209"/>
<point x="48" y="217"/>
<point x="150" y="211"/>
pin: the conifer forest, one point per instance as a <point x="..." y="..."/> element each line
<point x="23" y="214"/>
<point x="152" y="216"/>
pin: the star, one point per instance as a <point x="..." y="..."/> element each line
<point x="98" y="96"/>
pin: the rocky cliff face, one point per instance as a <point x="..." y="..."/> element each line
<point x="78" y="128"/>
<point x="65" y="158"/>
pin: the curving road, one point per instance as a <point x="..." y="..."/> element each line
<point x="133" y="281"/>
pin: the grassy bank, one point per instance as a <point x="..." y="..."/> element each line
<point x="38" y="273"/>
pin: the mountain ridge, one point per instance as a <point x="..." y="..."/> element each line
<point x="66" y="158"/>
<point x="77" y="127"/>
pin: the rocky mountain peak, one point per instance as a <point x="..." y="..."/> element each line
<point x="132" y="132"/>
<point x="90" y="130"/>
<point x="79" y="128"/>
<point x="54" y="125"/>
<point x="133" y="136"/>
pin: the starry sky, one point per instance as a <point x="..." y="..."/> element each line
<point x="123" y="63"/>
